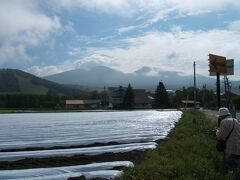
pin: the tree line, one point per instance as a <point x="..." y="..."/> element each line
<point x="49" y="100"/>
<point x="162" y="99"/>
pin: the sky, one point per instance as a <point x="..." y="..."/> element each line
<point x="46" y="37"/>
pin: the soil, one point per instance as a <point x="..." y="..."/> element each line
<point x="60" y="147"/>
<point x="134" y="156"/>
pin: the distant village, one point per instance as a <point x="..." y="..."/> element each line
<point x="142" y="99"/>
<point x="114" y="98"/>
<point x="121" y="97"/>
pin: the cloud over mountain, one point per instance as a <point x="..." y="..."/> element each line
<point x="47" y="37"/>
<point x="100" y="76"/>
<point x="168" y="51"/>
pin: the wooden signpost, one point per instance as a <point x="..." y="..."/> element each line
<point x="218" y="65"/>
<point x="230" y="69"/>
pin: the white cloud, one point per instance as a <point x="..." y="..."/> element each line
<point x="156" y="9"/>
<point x="151" y="11"/>
<point x="234" y="26"/>
<point x="23" y="25"/>
<point x="174" y="50"/>
<point x="156" y="49"/>
<point x="152" y="73"/>
<point x="8" y="51"/>
<point x="74" y="52"/>
<point x="44" y="71"/>
<point x="169" y="51"/>
<point x="126" y="29"/>
<point x="120" y="7"/>
<point x="84" y="63"/>
<point x="186" y="6"/>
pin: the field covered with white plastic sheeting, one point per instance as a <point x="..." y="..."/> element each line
<point x="65" y="129"/>
<point x="129" y="130"/>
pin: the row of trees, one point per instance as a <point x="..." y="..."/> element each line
<point x="29" y="101"/>
<point x="162" y="99"/>
<point x="207" y="98"/>
<point x="50" y="100"/>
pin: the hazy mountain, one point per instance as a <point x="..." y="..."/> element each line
<point x="146" y="77"/>
<point x="95" y="77"/>
<point x="16" y="81"/>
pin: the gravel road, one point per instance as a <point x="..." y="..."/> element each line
<point x="212" y="114"/>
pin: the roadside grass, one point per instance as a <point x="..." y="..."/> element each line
<point x="187" y="153"/>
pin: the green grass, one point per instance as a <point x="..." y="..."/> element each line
<point x="187" y="153"/>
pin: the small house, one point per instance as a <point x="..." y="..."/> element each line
<point x="83" y="104"/>
<point x="141" y="99"/>
<point x="189" y="103"/>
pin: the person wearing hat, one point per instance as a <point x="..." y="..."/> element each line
<point x="229" y="131"/>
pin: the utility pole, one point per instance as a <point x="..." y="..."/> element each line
<point x="229" y="99"/>
<point x="225" y="88"/>
<point x="227" y="91"/>
<point x="218" y="91"/>
<point x="194" y="68"/>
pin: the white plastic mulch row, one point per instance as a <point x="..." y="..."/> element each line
<point x="90" y="151"/>
<point x="18" y="131"/>
<point x="118" y="139"/>
<point x="95" y="170"/>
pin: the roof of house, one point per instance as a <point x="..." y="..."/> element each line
<point x="116" y="88"/>
<point x="169" y="91"/>
<point x="74" y="102"/>
<point x="83" y="102"/>
<point x="236" y="92"/>
<point x="141" y="96"/>
<point x="189" y="102"/>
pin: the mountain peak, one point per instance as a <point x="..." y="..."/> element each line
<point x="143" y="70"/>
<point x="103" y="68"/>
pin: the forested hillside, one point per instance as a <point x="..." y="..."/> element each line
<point x="15" y="81"/>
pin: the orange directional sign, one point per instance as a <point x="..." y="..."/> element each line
<point x="217" y="64"/>
<point x="230" y="68"/>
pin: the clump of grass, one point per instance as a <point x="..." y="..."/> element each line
<point x="187" y="153"/>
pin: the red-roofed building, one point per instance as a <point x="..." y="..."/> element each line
<point x="89" y="103"/>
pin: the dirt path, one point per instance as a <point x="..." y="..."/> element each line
<point x="212" y="114"/>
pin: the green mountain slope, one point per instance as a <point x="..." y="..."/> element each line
<point x="16" y="81"/>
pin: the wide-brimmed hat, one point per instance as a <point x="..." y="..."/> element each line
<point x="223" y="112"/>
